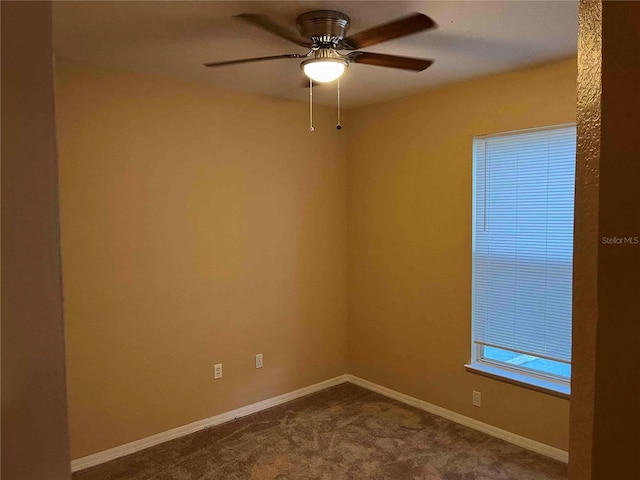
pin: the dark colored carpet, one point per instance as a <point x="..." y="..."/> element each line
<point x="345" y="432"/>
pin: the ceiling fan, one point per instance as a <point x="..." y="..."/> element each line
<point x="323" y="32"/>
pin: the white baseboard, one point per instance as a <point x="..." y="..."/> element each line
<point x="136" y="446"/>
<point x="519" y="440"/>
<point x="132" y="447"/>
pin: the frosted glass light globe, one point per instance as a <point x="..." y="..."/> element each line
<point x="324" y="70"/>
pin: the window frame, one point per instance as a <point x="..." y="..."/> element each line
<point x="556" y="385"/>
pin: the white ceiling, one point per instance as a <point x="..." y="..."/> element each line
<point x="174" y="38"/>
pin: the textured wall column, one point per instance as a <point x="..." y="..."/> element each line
<point x="585" y="256"/>
<point x="605" y="410"/>
<point x="34" y="413"/>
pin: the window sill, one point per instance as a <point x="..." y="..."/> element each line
<point x="533" y="383"/>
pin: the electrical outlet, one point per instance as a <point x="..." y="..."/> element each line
<point x="217" y="371"/>
<point x="259" y="363"/>
<point x="477" y="399"/>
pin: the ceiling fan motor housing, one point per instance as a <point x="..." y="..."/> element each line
<point x="324" y="27"/>
<point x="326" y="31"/>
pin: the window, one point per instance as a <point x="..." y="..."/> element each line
<point x="523" y="256"/>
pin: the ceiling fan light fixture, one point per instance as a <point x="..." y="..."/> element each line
<point x="324" y="70"/>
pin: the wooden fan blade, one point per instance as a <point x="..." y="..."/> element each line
<point x="392" y="61"/>
<point x="250" y="60"/>
<point x="265" y="23"/>
<point x="413" y="23"/>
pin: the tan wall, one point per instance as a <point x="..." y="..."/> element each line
<point x="617" y="378"/>
<point x="409" y="196"/>
<point x="198" y="227"/>
<point x="34" y="409"/>
<point x="605" y="407"/>
<point x="203" y="227"/>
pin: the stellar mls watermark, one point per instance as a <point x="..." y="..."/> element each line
<point x="620" y="240"/>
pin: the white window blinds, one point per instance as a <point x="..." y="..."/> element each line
<point x="523" y="241"/>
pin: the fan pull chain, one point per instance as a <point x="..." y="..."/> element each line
<point x="338" y="126"/>
<point x="311" y="129"/>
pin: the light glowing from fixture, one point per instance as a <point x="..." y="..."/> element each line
<point x="324" y="69"/>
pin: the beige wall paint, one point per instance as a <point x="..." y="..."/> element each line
<point x="617" y="378"/>
<point x="605" y="411"/>
<point x="34" y="407"/>
<point x="586" y="240"/>
<point x="198" y="227"/>
<point x="202" y="226"/>
<point x="409" y="195"/>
